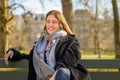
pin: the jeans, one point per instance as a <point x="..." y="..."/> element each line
<point x="63" y="74"/>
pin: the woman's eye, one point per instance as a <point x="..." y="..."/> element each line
<point x="54" y="22"/>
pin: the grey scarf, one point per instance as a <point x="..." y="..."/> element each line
<point x="40" y="50"/>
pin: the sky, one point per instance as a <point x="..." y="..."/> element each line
<point x="35" y="7"/>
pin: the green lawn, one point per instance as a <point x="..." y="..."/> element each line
<point x="103" y="55"/>
<point x="96" y="57"/>
<point x="91" y="55"/>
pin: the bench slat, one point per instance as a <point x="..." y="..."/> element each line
<point x="105" y="75"/>
<point x="17" y="64"/>
<point x="89" y="63"/>
<point x="99" y="63"/>
<point x="13" y="75"/>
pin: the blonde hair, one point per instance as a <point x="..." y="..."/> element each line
<point x="61" y="20"/>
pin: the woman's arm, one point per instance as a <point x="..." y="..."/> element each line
<point x="14" y="55"/>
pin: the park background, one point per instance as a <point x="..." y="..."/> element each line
<point x="95" y="23"/>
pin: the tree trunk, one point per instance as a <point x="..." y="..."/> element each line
<point x="3" y="38"/>
<point x="96" y="32"/>
<point x="68" y="12"/>
<point x="3" y="29"/>
<point x="116" y="28"/>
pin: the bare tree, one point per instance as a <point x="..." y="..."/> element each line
<point x="116" y="28"/>
<point x="96" y="35"/>
<point x="68" y="12"/>
<point x="3" y="28"/>
<point x="94" y="24"/>
<point x="6" y="15"/>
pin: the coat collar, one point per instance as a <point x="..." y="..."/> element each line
<point x="67" y="38"/>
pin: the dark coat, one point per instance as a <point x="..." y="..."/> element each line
<point x="67" y="55"/>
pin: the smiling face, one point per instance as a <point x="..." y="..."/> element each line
<point x="52" y="24"/>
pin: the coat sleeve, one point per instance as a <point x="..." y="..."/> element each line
<point x="70" y="55"/>
<point x="17" y="55"/>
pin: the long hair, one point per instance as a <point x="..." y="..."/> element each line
<point x="61" y="20"/>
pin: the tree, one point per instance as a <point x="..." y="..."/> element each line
<point x="6" y="16"/>
<point x="116" y="28"/>
<point x="94" y="23"/>
<point x="68" y="12"/>
<point x="3" y="28"/>
<point x="96" y="35"/>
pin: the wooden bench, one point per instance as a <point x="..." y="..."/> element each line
<point x="14" y="71"/>
<point x="99" y="69"/>
<point x="106" y="69"/>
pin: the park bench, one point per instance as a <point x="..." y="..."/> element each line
<point x="100" y="69"/>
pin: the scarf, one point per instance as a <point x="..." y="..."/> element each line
<point x="43" y="53"/>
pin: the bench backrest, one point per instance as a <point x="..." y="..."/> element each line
<point x="104" y="69"/>
<point x="14" y="71"/>
<point x="19" y="70"/>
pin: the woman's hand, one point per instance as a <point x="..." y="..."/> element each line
<point x="8" y="55"/>
<point x="53" y="77"/>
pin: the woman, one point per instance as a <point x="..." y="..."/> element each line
<point x="58" y="48"/>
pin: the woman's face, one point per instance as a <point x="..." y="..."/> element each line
<point x="52" y="24"/>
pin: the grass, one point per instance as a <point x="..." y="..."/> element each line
<point x="103" y="70"/>
<point x="97" y="56"/>
<point x="103" y="55"/>
<point x="90" y="55"/>
<point x="12" y="69"/>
